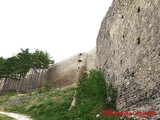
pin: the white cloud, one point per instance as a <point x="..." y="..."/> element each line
<point x="61" y="27"/>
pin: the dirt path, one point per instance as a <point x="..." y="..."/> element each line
<point x="73" y="103"/>
<point x="16" y="116"/>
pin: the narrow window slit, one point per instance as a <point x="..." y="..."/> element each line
<point x="138" y="41"/>
<point x="139" y="10"/>
<point x="121" y="62"/>
<point x="122" y="17"/>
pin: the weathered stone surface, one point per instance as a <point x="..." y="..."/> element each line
<point x="91" y="60"/>
<point x="128" y="51"/>
<point x="63" y="74"/>
<point x="67" y="72"/>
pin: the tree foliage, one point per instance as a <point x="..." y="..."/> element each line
<point x="18" y="66"/>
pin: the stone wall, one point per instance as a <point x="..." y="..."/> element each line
<point x="63" y="74"/>
<point x="91" y="60"/>
<point x="128" y="51"/>
<point x="67" y="72"/>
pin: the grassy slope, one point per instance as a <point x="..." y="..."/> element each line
<point x="53" y="105"/>
<point x="3" y="117"/>
<point x="44" y="106"/>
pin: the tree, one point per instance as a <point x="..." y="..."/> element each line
<point x="2" y="64"/>
<point x="17" y="67"/>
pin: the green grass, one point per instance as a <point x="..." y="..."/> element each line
<point x="45" y="106"/>
<point x="53" y="105"/>
<point x="4" y="117"/>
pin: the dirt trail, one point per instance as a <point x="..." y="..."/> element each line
<point x="16" y="116"/>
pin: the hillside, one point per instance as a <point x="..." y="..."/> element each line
<point x="89" y="102"/>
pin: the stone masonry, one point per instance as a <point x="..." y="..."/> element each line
<point x="63" y="74"/>
<point x="128" y="51"/>
<point x="69" y="71"/>
<point x="66" y="72"/>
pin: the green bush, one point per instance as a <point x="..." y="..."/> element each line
<point x="48" y="86"/>
<point x="94" y="84"/>
<point x="39" y="91"/>
<point x="95" y="95"/>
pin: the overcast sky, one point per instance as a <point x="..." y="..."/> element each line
<point x="60" y="27"/>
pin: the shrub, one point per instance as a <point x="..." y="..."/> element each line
<point x="95" y="95"/>
<point x="93" y="84"/>
<point x="39" y="91"/>
<point x="48" y="86"/>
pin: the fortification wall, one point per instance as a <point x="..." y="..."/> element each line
<point x="128" y="51"/>
<point x="63" y="74"/>
<point x="91" y="60"/>
<point x="67" y="72"/>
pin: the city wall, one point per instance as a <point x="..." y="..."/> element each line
<point x="66" y="73"/>
<point x="128" y="51"/>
